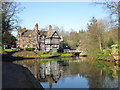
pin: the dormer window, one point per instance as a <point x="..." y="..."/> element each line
<point x="24" y="46"/>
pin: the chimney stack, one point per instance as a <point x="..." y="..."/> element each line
<point x="50" y="27"/>
<point x="24" y="28"/>
<point x="36" y="27"/>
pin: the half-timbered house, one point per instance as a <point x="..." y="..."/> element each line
<point x="44" y="40"/>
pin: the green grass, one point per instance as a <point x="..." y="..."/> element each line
<point x="65" y="54"/>
<point x="51" y="55"/>
<point x="8" y="50"/>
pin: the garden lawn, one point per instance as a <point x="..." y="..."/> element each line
<point x="66" y="54"/>
<point x="8" y="50"/>
<point x="51" y="55"/>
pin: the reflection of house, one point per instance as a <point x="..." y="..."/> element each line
<point x="39" y="39"/>
<point x="51" y="69"/>
<point x="45" y="72"/>
<point x="50" y="72"/>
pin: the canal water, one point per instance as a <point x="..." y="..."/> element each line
<point x="71" y="73"/>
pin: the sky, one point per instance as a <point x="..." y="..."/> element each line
<point x="68" y="15"/>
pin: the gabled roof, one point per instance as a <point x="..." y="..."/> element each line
<point x="42" y="33"/>
<point x="57" y="34"/>
<point x="27" y="33"/>
<point x="21" y="30"/>
<point x="50" y="33"/>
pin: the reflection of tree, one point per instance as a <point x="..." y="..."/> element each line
<point x="109" y="83"/>
<point x="96" y="77"/>
<point x="52" y="71"/>
<point x="92" y="74"/>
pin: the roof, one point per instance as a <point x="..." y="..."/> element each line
<point x="27" y="32"/>
<point x="21" y="30"/>
<point x="42" y="33"/>
<point x="50" y="33"/>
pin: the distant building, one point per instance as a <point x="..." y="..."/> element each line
<point x="42" y="40"/>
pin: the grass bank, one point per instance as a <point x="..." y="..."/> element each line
<point x="56" y="55"/>
<point x="11" y="55"/>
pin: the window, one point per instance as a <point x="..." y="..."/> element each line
<point x="35" y="37"/>
<point x="55" y="41"/>
<point x="47" y="41"/>
<point x="35" y="41"/>
<point x="56" y="46"/>
<point x="24" y="46"/>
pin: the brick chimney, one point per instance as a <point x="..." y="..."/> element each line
<point x="36" y="27"/>
<point x="50" y="27"/>
<point x="24" y="28"/>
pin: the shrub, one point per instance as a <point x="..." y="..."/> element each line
<point x="40" y="52"/>
<point x="99" y="55"/>
<point x="110" y="42"/>
<point x="106" y="51"/>
<point x="60" y="50"/>
<point x="115" y="48"/>
<point x="29" y="49"/>
<point x="65" y="50"/>
<point x="104" y="54"/>
<point x="46" y="52"/>
<point x="52" y="53"/>
<point x="73" y="53"/>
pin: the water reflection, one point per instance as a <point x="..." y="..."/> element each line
<point x="70" y="74"/>
<point x="50" y="72"/>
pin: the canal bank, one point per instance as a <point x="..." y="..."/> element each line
<point x="21" y="55"/>
<point x="17" y="76"/>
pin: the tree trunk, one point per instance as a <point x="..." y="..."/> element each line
<point x="100" y="43"/>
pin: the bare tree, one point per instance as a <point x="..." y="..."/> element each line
<point x="9" y="19"/>
<point x="113" y="6"/>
